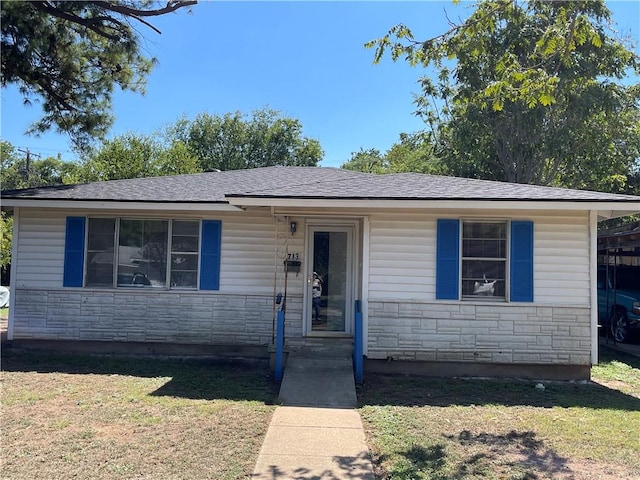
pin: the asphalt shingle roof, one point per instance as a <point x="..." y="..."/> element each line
<point x="306" y="183"/>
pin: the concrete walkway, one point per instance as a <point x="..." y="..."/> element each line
<point x="318" y="381"/>
<point x="317" y="434"/>
<point x="306" y="443"/>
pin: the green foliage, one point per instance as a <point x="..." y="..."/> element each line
<point x="529" y="92"/>
<point x="369" y="161"/>
<point x="414" y="152"/>
<point x="15" y="173"/>
<point x="6" y="234"/>
<point x="70" y="55"/>
<point x="208" y="142"/>
<point x="136" y="156"/>
<point x="235" y="141"/>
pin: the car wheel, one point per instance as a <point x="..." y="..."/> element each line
<point x="619" y="326"/>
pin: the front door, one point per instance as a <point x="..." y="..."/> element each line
<point x="330" y="279"/>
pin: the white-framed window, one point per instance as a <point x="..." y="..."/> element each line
<point x="484" y="258"/>
<point x="142" y="253"/>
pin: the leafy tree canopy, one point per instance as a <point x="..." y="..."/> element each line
<point x="235" y="141"/>
<point x="369" y="161"/>
<point x="208" y="142"/>
<point x="527" y="48"/>
<point x="18" y="172"/>
<point x="414" y="152"/>
<point x="136" y="156"/>
<point x="529" y="92"/>
<point x="71" y="54"/>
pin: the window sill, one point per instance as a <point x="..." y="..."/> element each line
<point x="484" y="299"/>
<point x="146" y="289"/>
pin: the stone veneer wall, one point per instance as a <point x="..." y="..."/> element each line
<point x="459" y="332"/>
<point x="130" y="315"/>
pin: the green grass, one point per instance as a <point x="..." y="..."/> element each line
<point x="426" y="428"/>
<point x="73" y="416"/>
<point x="77" y="416"/>
<point x="618" y="370"/>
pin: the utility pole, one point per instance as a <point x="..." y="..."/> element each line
<point x="26" y="173"/>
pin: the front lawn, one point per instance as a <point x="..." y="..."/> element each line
<point x="444" y="429"/>
<point x="71" y="416"/>
<point x="74" y="416"/>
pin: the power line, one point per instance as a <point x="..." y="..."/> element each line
<point x="26" y="173"/>
<point x="47" y="149"/>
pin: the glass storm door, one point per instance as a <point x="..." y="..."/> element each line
<point x="330" y="281"/>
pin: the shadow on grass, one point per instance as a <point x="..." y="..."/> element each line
<point x="380" y="389"/>
<point x="609" y="355"/>
<point x="517" y="450"/>
<point x="521" y="453"/>
<point x="192" y="379"/>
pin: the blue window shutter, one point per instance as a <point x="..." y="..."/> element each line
<point x="74" y="252"/>
<point x="448" y="260"/>
<point x="210" y="254"/>
<point x="521" y="261"/>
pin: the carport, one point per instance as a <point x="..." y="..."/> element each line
<point x="618" y="252"/>
<point x="620" y="245"/>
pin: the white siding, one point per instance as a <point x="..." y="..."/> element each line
<point x="250" y="253"/>
<point x="40" y="249"/>
<point x="402" y="256"/>
<point x="561" y="259"/>
<point x="247" y="261"/>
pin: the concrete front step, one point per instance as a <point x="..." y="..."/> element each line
<point x="321" y="347"/>
<point x="329" y="352"/>
<point x="318" y="381"/>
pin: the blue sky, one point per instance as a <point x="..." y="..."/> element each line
<point x="305" y="59"/>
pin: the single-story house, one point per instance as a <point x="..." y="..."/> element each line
<point x="454" y="275"/>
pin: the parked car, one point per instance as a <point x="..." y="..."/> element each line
<point x="619" y="304"/>
<point x="4" y="297"/>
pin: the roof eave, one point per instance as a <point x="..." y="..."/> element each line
<point x="119" y="204"/>
<point x="607" y="207"/>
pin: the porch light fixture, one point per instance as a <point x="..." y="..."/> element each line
<point x="293" y="226"/>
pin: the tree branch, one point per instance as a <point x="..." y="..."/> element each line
<point x="456" y="28"/>
<point x="171" y="6"/>
<point x="49" y="9"/>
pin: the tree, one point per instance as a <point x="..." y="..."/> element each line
<point x="72" y="54"/>
<point x="234" y="141"/>
<point x="19" y="172"/>
<point x="6" y="235"/>
<point x="369" y="161"/>
<point x="136" y="156"/>
<point x="414" y="152"/>
<point x="528" y="92"/>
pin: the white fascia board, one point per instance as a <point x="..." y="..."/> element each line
<point x="615" y="208"/>
<point x="111" y="205"/>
